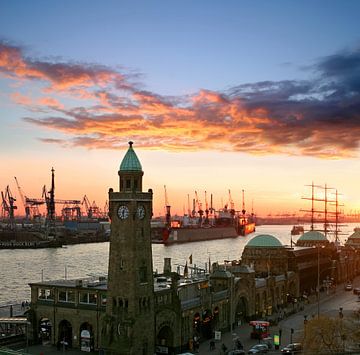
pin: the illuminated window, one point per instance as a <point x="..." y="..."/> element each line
<point x="46" y="294"/>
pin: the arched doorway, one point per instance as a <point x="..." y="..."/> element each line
<point x="65" y="334"/>
<point x="241" y="311"/>
<point x="45" y="330"/>
<point x="86" y="337"/>
<point x="165" y="341"/>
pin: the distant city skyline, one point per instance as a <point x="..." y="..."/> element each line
<point x="258" y="96"/>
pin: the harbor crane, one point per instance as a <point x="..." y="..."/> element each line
<point x="243" y="211"/>
<point x="168" y="208"/>
<point x="232" y="205"/>
<point x="26" y="207"/>
<point x="206" y="209"/>
<point x="199" y="206"/>
<point x="8" y="205"/>
<point x="92" y="210"/>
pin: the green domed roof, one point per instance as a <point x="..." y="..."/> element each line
<point x="264" y="241"/>
<point x="130" y="162"/>
<point x="313" y="235"/>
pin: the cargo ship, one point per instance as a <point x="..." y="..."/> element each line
<point x="189" y="229"/>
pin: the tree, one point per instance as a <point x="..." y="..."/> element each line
<point x="325" y="335"/>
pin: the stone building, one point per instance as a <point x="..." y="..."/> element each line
<point x="134" y="311"/>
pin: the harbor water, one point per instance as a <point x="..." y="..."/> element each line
<point x="19" y="267"/>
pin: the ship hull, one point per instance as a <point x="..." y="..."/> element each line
<point x="187" y="235"/>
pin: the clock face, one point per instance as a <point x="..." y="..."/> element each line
<point x="141" y="212"/>
<point x="123" y="212"/>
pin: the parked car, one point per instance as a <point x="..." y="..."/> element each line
<point x="356" y="290"/>
<point x="259" y="349"/>
<point x="293" y="348"/>
<point x="348" y="287"/>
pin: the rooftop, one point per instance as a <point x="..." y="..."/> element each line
<point x="264" y="241"/>
<point x="130" y="161"/>
<point x="313" y="235"/>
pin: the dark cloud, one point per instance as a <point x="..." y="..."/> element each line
<point x="318" y="117"/>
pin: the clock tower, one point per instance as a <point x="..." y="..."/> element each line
<point x="128" y="326"/>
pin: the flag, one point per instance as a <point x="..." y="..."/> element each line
<point x="186" y="272"/>
<point x="190" y="259"/>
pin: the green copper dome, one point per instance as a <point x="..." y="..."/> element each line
<point x="264" y="241"/>
<point x="313" y="236"/>
<point x="130" y="162"/>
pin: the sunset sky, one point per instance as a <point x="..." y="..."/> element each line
<point x="216" y="95"/>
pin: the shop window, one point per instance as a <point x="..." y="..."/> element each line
<point x="46" y="294"/>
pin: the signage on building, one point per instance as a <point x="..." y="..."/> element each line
<point x="217" y="335"/>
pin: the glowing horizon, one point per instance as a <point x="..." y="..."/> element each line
<point x="210" y="108"/>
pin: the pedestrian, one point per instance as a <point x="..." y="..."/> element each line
<point x="239" y="345"/>
<point x="212" y="345"/>
<point x="223" y="348"/>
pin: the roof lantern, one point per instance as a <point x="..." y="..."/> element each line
<point x="130" y="162"/>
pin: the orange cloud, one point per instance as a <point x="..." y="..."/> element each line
<point x="21" y="99"/>
<point x="260" y="118"/>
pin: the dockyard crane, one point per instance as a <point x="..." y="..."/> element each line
<point x="106" y="209"/>
<point x="188" y="205"/>
<point x="243" y="211"/>
<point x="88" y="209"/>
<point x="4" y="206"/>
<point x="167" y="208"/>
<point x="206" y="210"/>
<point x="231" y="203"/>
<point x="8" y="205"/>
<point x="199" y="206"/>
<point x="23" y="200"/>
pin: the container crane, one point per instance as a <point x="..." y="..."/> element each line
<point x="168" y="208"/>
